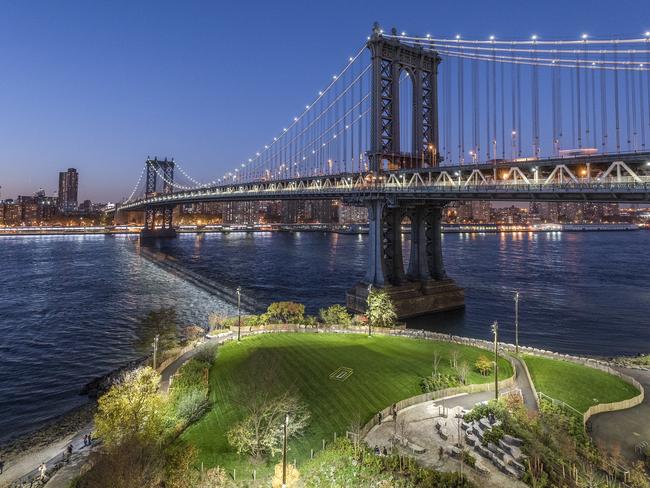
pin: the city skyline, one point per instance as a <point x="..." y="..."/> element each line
<point x="106" y="113"/>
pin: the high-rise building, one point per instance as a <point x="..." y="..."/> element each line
<point x="68" y="189"/>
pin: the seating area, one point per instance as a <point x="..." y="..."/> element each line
<point x="506" y="455"/>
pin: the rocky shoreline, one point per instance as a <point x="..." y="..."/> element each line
<point x="70" y="422"/>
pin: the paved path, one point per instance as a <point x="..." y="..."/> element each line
<point x="27" y="465"/>
<point x="521" y="380"/>
<point x="623" y="430"/>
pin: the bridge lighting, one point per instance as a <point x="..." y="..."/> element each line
<point x="350" y="59"/>
<point x="534" y="37"/>
<point x="458" y="37"/>
<point x="647" y="34"/>
<point x="243" y="165"/>
<point x="266" y="147"/>
<point x="456" y="173"/>
<point x="403" y="33"/>
<point x="428" y="36"/>
<point x="295" y="119"/>
<point x="285" y="129"/>
<point x="334" y="77"/>
<point x="250" y="160"/>
<point x="275" y="138"/>
<point x="492" y="38"/>
<point x="514" y="132"/>
<point x="347" y="126"/>
<point x="585" y="36"/>
<point x="256" y="154"/>
<point x="320" y="93"/>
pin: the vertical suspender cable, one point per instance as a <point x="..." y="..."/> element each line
<point x="616" y="102"/>
<point x="535" y="109"/>
<point x="628" y="110"/>
<point x="488" y="112"/>
<point x="513" y="127"/>
<point x="503" y="116"/>
<point x="554" y="105"/>
<point x="578" y="105"/>
<point x="642" y="110"/>
<point x="494" y="106"/>
<point x="573" y="111"/>
<point x="519" y="134"/>
<point x="461" y="110"/>
<point x="603" y="106"/>
<point x="635" y="134"/>
<point x="594" y="136"/>
<point x="475" y="111"/>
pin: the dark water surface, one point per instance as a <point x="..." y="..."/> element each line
<point x="69" y="305"/>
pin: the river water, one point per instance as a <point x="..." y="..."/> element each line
<point x="70" y="305"/>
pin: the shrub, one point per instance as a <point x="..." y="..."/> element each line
<point x="285" y="313"/>
<point x="483" y="365"/>
<point x="335" y="315"/>
<point x="438" y="382"/>
<point x="191" y="403"/>
<point x="206" y="352"/>
<point x="493" y="435"/>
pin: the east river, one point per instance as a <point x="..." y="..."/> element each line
<point x="70" y="305"/>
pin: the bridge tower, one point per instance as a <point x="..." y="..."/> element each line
<point x="161" y="214"/>
<point x="424" y="287"/>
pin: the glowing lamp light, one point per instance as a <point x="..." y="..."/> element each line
<point x="320" y="93"/>
<point x="647" y="34"/>
<point x="403" y="33"/>
<point x="428" y="36"/>
<point x="585" y="36"/>
<point x="534" y="37"/>
<point x="492" y="38"/>
<point x="334" y="77"/>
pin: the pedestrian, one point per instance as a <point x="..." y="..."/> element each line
<point x="69" y="450"/>
<point x="394" y="411"/>
<point x="90" y="439"/>
<point x="385" y="451"/>
<point x="2" y="466"/>
<point x="377" y="450"/>
<point x="379" y="418"/>
<point x="85" y="440"/>
<point x="42" y="470"/>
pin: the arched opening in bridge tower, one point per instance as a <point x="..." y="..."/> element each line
<point x="406" y="101"/>
<point x="406" y="242"/>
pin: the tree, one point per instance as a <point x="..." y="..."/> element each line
<point x="462" y="370"/>
<point x="335" y="315"/>
<point x="285" y="313"/>
<point x="453" y="360"/>
<point x="436" y="362"/>
<point x="265" y="406"/>
<point x="381" y="311"/>
<point x="483" y="365"/>
<point x="162" y="323"/>
<point x="132" y="408"/>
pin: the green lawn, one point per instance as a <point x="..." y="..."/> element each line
<point x="579" y="386"/>
<point x="386" y="370"/>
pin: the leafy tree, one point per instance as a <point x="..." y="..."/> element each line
<point x="285" y="313"/>
<point x="381" y="311"/>
<point x="132" y="408"/>
<point x="483" y="365"/>
<point x="335" y="315"/>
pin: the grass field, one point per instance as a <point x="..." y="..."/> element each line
<point x="384" y="371"/>
<point x="577" y="385"/>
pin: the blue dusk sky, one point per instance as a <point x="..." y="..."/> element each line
<point x="101" y="85"/>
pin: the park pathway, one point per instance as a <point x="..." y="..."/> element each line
<point x="623" y="430"/>
<point x="27" y="465"/>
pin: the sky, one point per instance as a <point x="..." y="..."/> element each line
<point x="99" y="86"/>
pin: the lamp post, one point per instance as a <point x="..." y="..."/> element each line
<point x="495" y="331"/>
<point x="155" y="349"/>
<point x="368" y="304"/>
<point x="284" y="453"/>
<point x="238" y="313"/>
<point x="516" y="322"/>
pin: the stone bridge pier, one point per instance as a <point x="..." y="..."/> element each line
<point x="424" y="286"/>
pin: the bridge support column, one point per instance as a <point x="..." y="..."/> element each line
<point x="425" y="288"/>
<point x="150" y="230"/>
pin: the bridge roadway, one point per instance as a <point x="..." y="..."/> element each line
<point x="600" y="178"/>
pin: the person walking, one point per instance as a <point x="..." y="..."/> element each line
<point x="379" y="417"/>
<point x="2" y="466"/>
<point x="42" y="470"/>
<point x="69" y="450"/>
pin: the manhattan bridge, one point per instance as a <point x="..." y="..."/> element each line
<point x="412" y="123"/>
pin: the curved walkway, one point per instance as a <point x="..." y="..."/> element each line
<point x="621" y="431"/>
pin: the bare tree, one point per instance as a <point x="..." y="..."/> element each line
<point x="462" y="370"/>
<point x="436" y="362"/>
<point x="454" y="357"/>
<point x="265" y="406"/>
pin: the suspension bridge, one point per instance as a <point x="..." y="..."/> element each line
<point x="413" y="122"/>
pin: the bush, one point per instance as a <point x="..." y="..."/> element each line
<point x="191" y="403"/>
<point x="493" y="435"/>
<point x="335" y="315"/>
<point x="381" y="311"/>
<point x="438" y="382"/>
<point x="483" y="365"/>
<point x="206" y="352"/>
<point x="285" y="313"/>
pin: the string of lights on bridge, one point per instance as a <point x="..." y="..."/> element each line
<point x="606" y="75"/>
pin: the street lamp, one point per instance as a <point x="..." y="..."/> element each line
<point x="495" y="331"/>
<point x="155" y="349"/>
<point x="368" y="304"/>
<point x="238" y="313"/>
<point x="516" y="322"/>
<point x="284" y="453"/>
